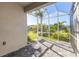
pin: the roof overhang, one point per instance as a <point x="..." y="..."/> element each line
<point x="36" y="5"/>
<point x="30" y="6"/>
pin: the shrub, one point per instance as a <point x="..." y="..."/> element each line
<point x="45" y="34"/>
<point x="64" y="36"/>
<point x="54" y="35"/>
<point x="32" y="36"/>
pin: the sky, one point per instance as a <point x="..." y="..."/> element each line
<point x="62" y="8"/>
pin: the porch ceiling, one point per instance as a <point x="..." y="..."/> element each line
<point x="32" y="5"/>
<point x="23" y="4"/>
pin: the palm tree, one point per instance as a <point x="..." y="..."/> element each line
<point x="39" y="14"/>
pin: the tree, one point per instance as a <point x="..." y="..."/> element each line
<point x="54" y="27"/>
<point x="39" y="14"/>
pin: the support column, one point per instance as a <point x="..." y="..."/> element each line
<point x="37" y="28"/>
<point x="75" y="28"/>
<point x="77" y="13"/>
<point x="41" y="27"/>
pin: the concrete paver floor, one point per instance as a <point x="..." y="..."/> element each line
<point x="44" y="48"/>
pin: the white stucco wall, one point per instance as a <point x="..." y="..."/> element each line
<point x="12" y="27"/>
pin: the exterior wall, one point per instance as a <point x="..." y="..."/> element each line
<point x="12" y="27"/>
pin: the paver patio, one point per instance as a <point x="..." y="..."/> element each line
<point x="45" y="48"/>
